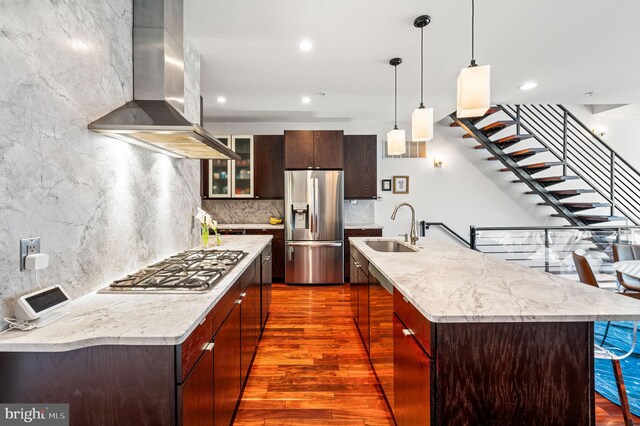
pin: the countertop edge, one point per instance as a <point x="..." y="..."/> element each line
<point x="120" y="340"/>
<point x="478" y="319"/>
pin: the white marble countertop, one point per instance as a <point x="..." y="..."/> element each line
<point x="133" y="319"/>
<point x="452" y="284"/>
<point x="281" y="226"/>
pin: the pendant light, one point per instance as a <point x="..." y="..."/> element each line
<point x="422" y="118"/>
<point x="474" y="83"/>
<point x="396" y="144"/>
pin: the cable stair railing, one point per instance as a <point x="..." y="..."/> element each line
<point x="581" y="158"/>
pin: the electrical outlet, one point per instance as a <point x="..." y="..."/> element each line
<point x="28" y="246"/>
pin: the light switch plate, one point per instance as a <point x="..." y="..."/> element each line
<point x="28" y="246"/>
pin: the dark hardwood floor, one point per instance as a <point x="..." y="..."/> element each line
<point x="311" y="367"/>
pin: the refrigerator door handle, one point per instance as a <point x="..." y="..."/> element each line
<point x="312" y="244"/>
<point x="315" y="205"/>
<point x="312" y="207"/>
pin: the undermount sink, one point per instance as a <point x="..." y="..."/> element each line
<point x="390" y="246"/>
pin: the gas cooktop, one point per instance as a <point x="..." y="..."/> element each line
<point x="193" y="271"/>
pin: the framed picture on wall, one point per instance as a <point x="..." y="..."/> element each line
<point x="386" y="184"/>
<point x="401" y="184"/>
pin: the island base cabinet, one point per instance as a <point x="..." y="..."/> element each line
<point x="195" y="395"/>
<point x="226" y="369"/>
<point x="412" y="379"/>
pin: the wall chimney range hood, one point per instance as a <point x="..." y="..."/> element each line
<point x="154" y="118"/>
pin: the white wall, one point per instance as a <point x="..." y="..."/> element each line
<point x="102" y="207"/>
<point x="622" y="127"/>
<point x="467" y="191"/>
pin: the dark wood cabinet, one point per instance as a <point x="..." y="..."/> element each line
<point x="360" y="301"/>
<point x="360" y="232"/>
<point x="328" y="151"/>
<point x="298" y="149"/>
<point x="250" y="311"/>
<point x="361" y="165"/>
<point x="265" y="285"/>
<point x="269" y="166"/>
<point x="308" y="149"/>
<point x="277" y="249"/>
<point x="195" y="395"/>
<point x="226" y="368"/>
<point x="412" y="378"/>
<point x="353" y="288"/>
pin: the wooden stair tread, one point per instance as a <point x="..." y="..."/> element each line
<point x="536" y="167"/>
<point x="594" y="218"/>
<point x="493" y="128"/>
<point x="557" y="178"/>
<point x="566" y="193"/>
<point x="491" y="110"/>
<point x="507" y="141"/>
<point x="522" y="153"/>
<point x="551" y="180"/>
<point x="577" y="207"/>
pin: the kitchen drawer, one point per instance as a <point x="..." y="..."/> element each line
<point x="189" y="351"/>
<point x="362" y="261"/>
<point x="414" y="321"/>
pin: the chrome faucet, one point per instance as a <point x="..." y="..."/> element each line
<point x="414" y="237"/>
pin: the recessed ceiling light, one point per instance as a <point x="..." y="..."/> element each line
<point x="529" y="85"/>
<point x="221" y="99"/>
<point x="306" y="45"/>
<point x="306" y="100"/>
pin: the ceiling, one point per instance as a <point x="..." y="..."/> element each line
<point x="250" y="55"/>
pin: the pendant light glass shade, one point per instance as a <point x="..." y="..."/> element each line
<point x="474" y="83"/>
<point x="396" y="139"/>
<point x="474" y="91"/>
<point x="422" y="124"/>
<point x="396" y="144"/>
<point x="422" y="118"/>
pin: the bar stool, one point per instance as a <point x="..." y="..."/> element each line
<point x="588" y="277"/>
<point x="627" y="252"/>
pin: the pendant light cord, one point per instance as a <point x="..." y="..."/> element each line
<point x="395" y="98"/>
<point x="421" y="67"/>
<point x="473" y="32"/>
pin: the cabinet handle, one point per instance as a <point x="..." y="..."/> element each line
<point x="407" y="332"/>
<point x="209" y="347"/>
<point x="317" y="168"/>
<point x="257" y="196"/>
<point x="243" y="294"/>
<point x="405" y="299"/>
<point x="239" y="302"/>
<point x="203" y="321"/>
<point x="309" y="168"/>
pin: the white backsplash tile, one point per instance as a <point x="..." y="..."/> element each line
<point x="259" y="211"/>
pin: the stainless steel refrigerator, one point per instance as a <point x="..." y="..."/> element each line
<point x="314" y="229"/>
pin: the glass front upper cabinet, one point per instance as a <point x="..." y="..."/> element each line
<point x="233" y="179"/>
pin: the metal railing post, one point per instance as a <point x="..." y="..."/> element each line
<point x="546" y="250"/>
<point x="472" y="237"/>
<point x="517" y="119"/>
<point x="564" y="142"/>
<point x="613" y="182"/>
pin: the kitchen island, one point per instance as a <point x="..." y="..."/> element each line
<point x="147" y="358"/>
<point x="476" y="340"/>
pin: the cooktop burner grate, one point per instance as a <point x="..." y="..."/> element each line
<point x="190" y="271"/>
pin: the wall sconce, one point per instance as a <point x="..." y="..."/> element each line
<point x="437" y="162"/>
<point x="600" y="131"/>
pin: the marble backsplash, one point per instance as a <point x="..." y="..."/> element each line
<point x="259" y="211"/>
<point x="102" y="207"/>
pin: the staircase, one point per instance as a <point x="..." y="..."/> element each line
<point x="560" y="160"/>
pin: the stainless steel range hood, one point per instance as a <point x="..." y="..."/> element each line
<point x="154" y="119"/>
